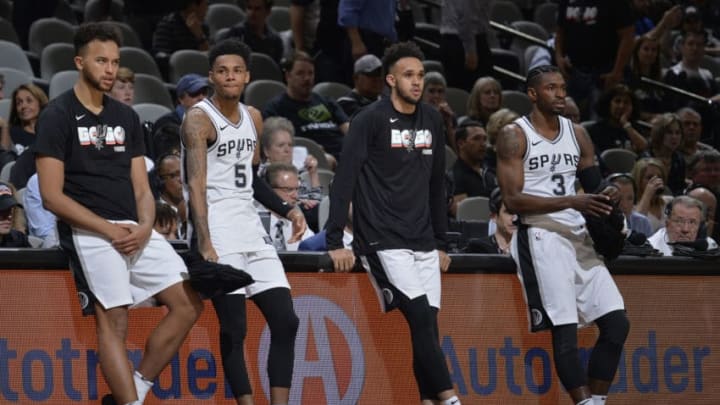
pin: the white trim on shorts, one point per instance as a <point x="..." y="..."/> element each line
<point x="263" y="265"/>
<point x="117" y="280"/>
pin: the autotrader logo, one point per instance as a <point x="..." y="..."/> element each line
<point x="334" y="337"/>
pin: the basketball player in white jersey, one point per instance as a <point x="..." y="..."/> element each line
<point x="220" y="139"/>
<point x="539" y="158"/>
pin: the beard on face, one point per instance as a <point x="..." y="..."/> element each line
<point x="95" y="82"/>
<point x="407" y="97"/>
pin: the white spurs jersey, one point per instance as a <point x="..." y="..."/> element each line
<point x="550" y="170"/>
<point x="232" y="217"/>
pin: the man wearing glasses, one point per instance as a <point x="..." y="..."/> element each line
<point x="684" y="219"/>
<point x="284" y="180"/>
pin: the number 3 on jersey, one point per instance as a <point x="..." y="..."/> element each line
<point x="240" y="176"/>
<point x="560" y="184"/>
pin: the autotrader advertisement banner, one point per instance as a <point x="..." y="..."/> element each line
<point x="347" y="352"/>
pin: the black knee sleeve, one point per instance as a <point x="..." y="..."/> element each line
<point x="230" y="310"/>
<point x="277" y="307"/>
<point x="614" y="328"/>
<point x="429" y="365"/>
<point x="565" y="354"/>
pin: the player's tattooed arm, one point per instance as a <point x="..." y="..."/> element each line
<point x="510" y="148"/>
<point x="196" y="131"/>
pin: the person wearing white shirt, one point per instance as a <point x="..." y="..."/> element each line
<point x="682" y="225"/>
<point x="41" y="222"/>
<point x="284" y="180"/>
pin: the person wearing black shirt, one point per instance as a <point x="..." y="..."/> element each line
<point x="469" y="172"/>
<point x="391" y="167"/>
<point x="91" y="169"/>
<point x="9" y="237"/>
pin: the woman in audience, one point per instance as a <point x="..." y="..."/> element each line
<point x="495" y="123"/>
<point x="28" y="101"/>
<point x="485" y="98"/>
<point x="645" y="62"/>
<point x="650" y="176"/>
<point x="123" y="90"/>
<point x="665" y="139"/>
<point x="434" y="94"/>
<point x="617" y="109"/>
<point x="278" y="139"/>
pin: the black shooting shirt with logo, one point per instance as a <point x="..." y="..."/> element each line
<point x="97" y="151"/>
<point x="392" y="168"/>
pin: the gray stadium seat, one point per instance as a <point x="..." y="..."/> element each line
<point x="519" y="45"/>
<point x="61" y="82"/>
<point x="7" y="31"/>
<point x="505" y="12"/>
<point x="94" y="10"/>
<point x="546" y="15"/>
<point x="187" y="61"/>
<point x="14" y="57"/>
<point x="325" y="176"/>
<point x="331" y="90"/>
<point x="139" y="61"/>
<point x="263" y="67"/>
<point x="619" y="160"/>
<point x="223" y="15"/>
<point x="457" y="99"/>
<point x="13" y="79"/>
<point x="150" y="89"/>
<point x="450" y="157"/>
<point x="46" y="31"/>
<point x="259" y="92"/>
<point x="5" y="171"/>
<point x="473" y="208"/>
<point x="279" y="18"/>
<point x="315" y="150"/>
<point x="129" y="36"/>
<point x="433" y="66"/>
<point x="516" y="101"/>
<point x="56" y="58"/>
<point x="150" y="112"/>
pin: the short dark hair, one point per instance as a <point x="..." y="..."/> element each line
<point x="398" y="51"/>
<point x="703" y="156"/>
<point x="461" y="132"/>
<point x="101" y="31"/>
<point x="533" y="77"/>
<point x="699" y="33"/>
<point x="274" y="169"/>
<point x="297" y="56"/>
<point x="602" y="107"/>
<point x="230" y="46"/>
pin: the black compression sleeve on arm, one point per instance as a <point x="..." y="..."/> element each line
<point x="591" y="179"/>
<point x="267" y="197"/>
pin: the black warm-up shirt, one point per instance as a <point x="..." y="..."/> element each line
<point x="392" y="169"/>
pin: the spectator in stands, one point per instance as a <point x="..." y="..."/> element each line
<point x="464" y="49"/>
<point x="470" y="174"/>
<point x="318" y="242"/>
<point x="645" y="62"/>
<point x="166" y="220"/>
<point x="684" y="219"/>
<point x="495" y="124"/>
<point x="692" y="22"/>
<point x="283" y="178"/>
<point x="313" y="115"/>
<point x="691" y="132"/>
<point x="704" y="171"/>
<point x="665" y="140"/>
<point x="190" y="89"/>
<point x="617" y="109"/>
<point x="278" y="140"/>
<point x="498" y="241"/>
<point x="707" y="197"/>
<point x="41" y="222"/>
<point x="645" y="26"/>
<point x="28" y="101"/>
<point x="123" y="88"/>
<point x="485" y="98"/>
<point x="636" y="221"/>
<point x="689" y="75"/>
<point x="170" y="189"/>
<point x="256" y="32"/>
<point x="434" y="94"/>
<point x="571" y="111"/>
<point x="368" y="81"/>
<point x="608" y="26"/>
<point x="650" y="176"/>
<point x="183" y="29"/>
<point x="9" y="236"/>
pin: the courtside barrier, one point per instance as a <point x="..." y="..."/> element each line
<point x="347" y="352"/>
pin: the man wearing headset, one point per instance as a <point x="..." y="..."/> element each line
<point x="684" y="221"/>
